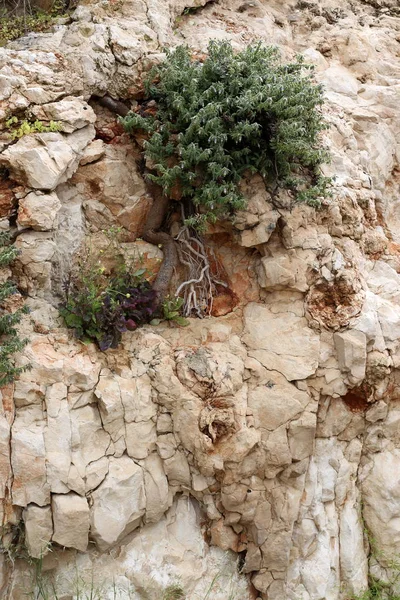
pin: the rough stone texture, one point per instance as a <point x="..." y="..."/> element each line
<point x="118" y="503"/>
<point x="39" y="212"/>
<point x="38" y="529"/>
<point x="69" y="114"/>
<point x="44" y="160"/>
<point x="265" y="430"/>
<point x="71" y="520"/>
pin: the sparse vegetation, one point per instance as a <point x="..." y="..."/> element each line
<point x="205" y="123"/>
<point x="379" y="589"/>
<point x="19" y="128"/>
<point x="173" y="592"/>
<point x="107" y="295"/>
<point x="11" y="341"/>
<point x="171" y="309"/>
<point x="19" y="17"/>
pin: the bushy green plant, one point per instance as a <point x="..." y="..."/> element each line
<point x="10" y="339"/>
<point x="20" y="128"/>
<point x="101" y="307"/>
<point x="229" y="114"/>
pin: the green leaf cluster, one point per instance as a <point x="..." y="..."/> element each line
<point x="10" y="340"/>
<point x="231" y="114"/>
<point x="102" y="303"/>
<point x="20" y="128"/>
<point x="171" y="310"/>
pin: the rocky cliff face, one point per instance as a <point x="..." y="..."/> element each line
<point x="270" y="429"/>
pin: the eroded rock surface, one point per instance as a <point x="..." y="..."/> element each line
<point x="271" y="431"/>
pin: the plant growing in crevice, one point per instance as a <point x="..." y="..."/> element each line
<point x="10" y="340"/>
<point x="211" y="120"/>
<point x="102" y="303"/>
<point x="170" y="310"/>
<point x="379" y="589"/>
<point x="229" y="114"/>
<point x="19" y="128"/>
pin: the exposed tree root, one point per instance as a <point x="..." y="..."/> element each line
<point x="152" y="234"/>
<point x="199" y="288"/>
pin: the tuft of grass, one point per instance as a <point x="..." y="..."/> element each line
<point x="173" y="592"/>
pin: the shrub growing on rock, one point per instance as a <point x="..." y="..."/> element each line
<point x="220" y="116"/>
<point x="102" y="304"/>
<point x="10" y="340"/>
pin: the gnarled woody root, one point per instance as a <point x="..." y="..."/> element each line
<point x="199" y="288"/>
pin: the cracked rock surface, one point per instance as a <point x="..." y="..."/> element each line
<point x="270" y="432"/>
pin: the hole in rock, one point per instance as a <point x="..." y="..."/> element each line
<point x="357" y="399"/>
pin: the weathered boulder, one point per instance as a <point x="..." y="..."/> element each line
<point x="70" y="113"/>
<point x="39" y="211"/>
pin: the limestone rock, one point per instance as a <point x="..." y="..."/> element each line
<point x="38" y="529"/>
<point x="44" y="160"/>
<point x="140" y="439"/>
<point x="352" y="354"/>
<point x="156" y="489"/>
<point x="281" y="343"/>
<point x="224" y="537"/>
<point x="113" y="189"/>
<point x="283" y="272"/>
<point x="93" y="151"/>
<point x="275" y="402"/>
<point x="28" y="458"/>
<point x="70" y="113"/>
<point x="118" y="503"/>
<point x="381" y="494"/>
<point x="39" y="212"/>
<point x="71" y="520"/>
<point x="339" y="80"/>
<point x="280" y="418"/>
<point x="58" y="438"/>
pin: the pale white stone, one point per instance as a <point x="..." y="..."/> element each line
<point x="381" y="496"/>
<point x="283" y="272"/>
<point x="44" y="160"/>
<point x="339" y="80"/>
<point x="58" y="438"/>
<point x="71" y="520"/>
<point x="28" y="458"/>
<point x="70" y="113"/>
<point x="118" y="503"/>
<point x="351" y="347"/>
<point x="276" y="402"/>
<point x="39" y="212"/>
<point x="38" y="529"/>
<point x="156" y="489"/>
<point x="281" y="342"/>
<point x="93" y="151"/>
<point x="140" y="439"/>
